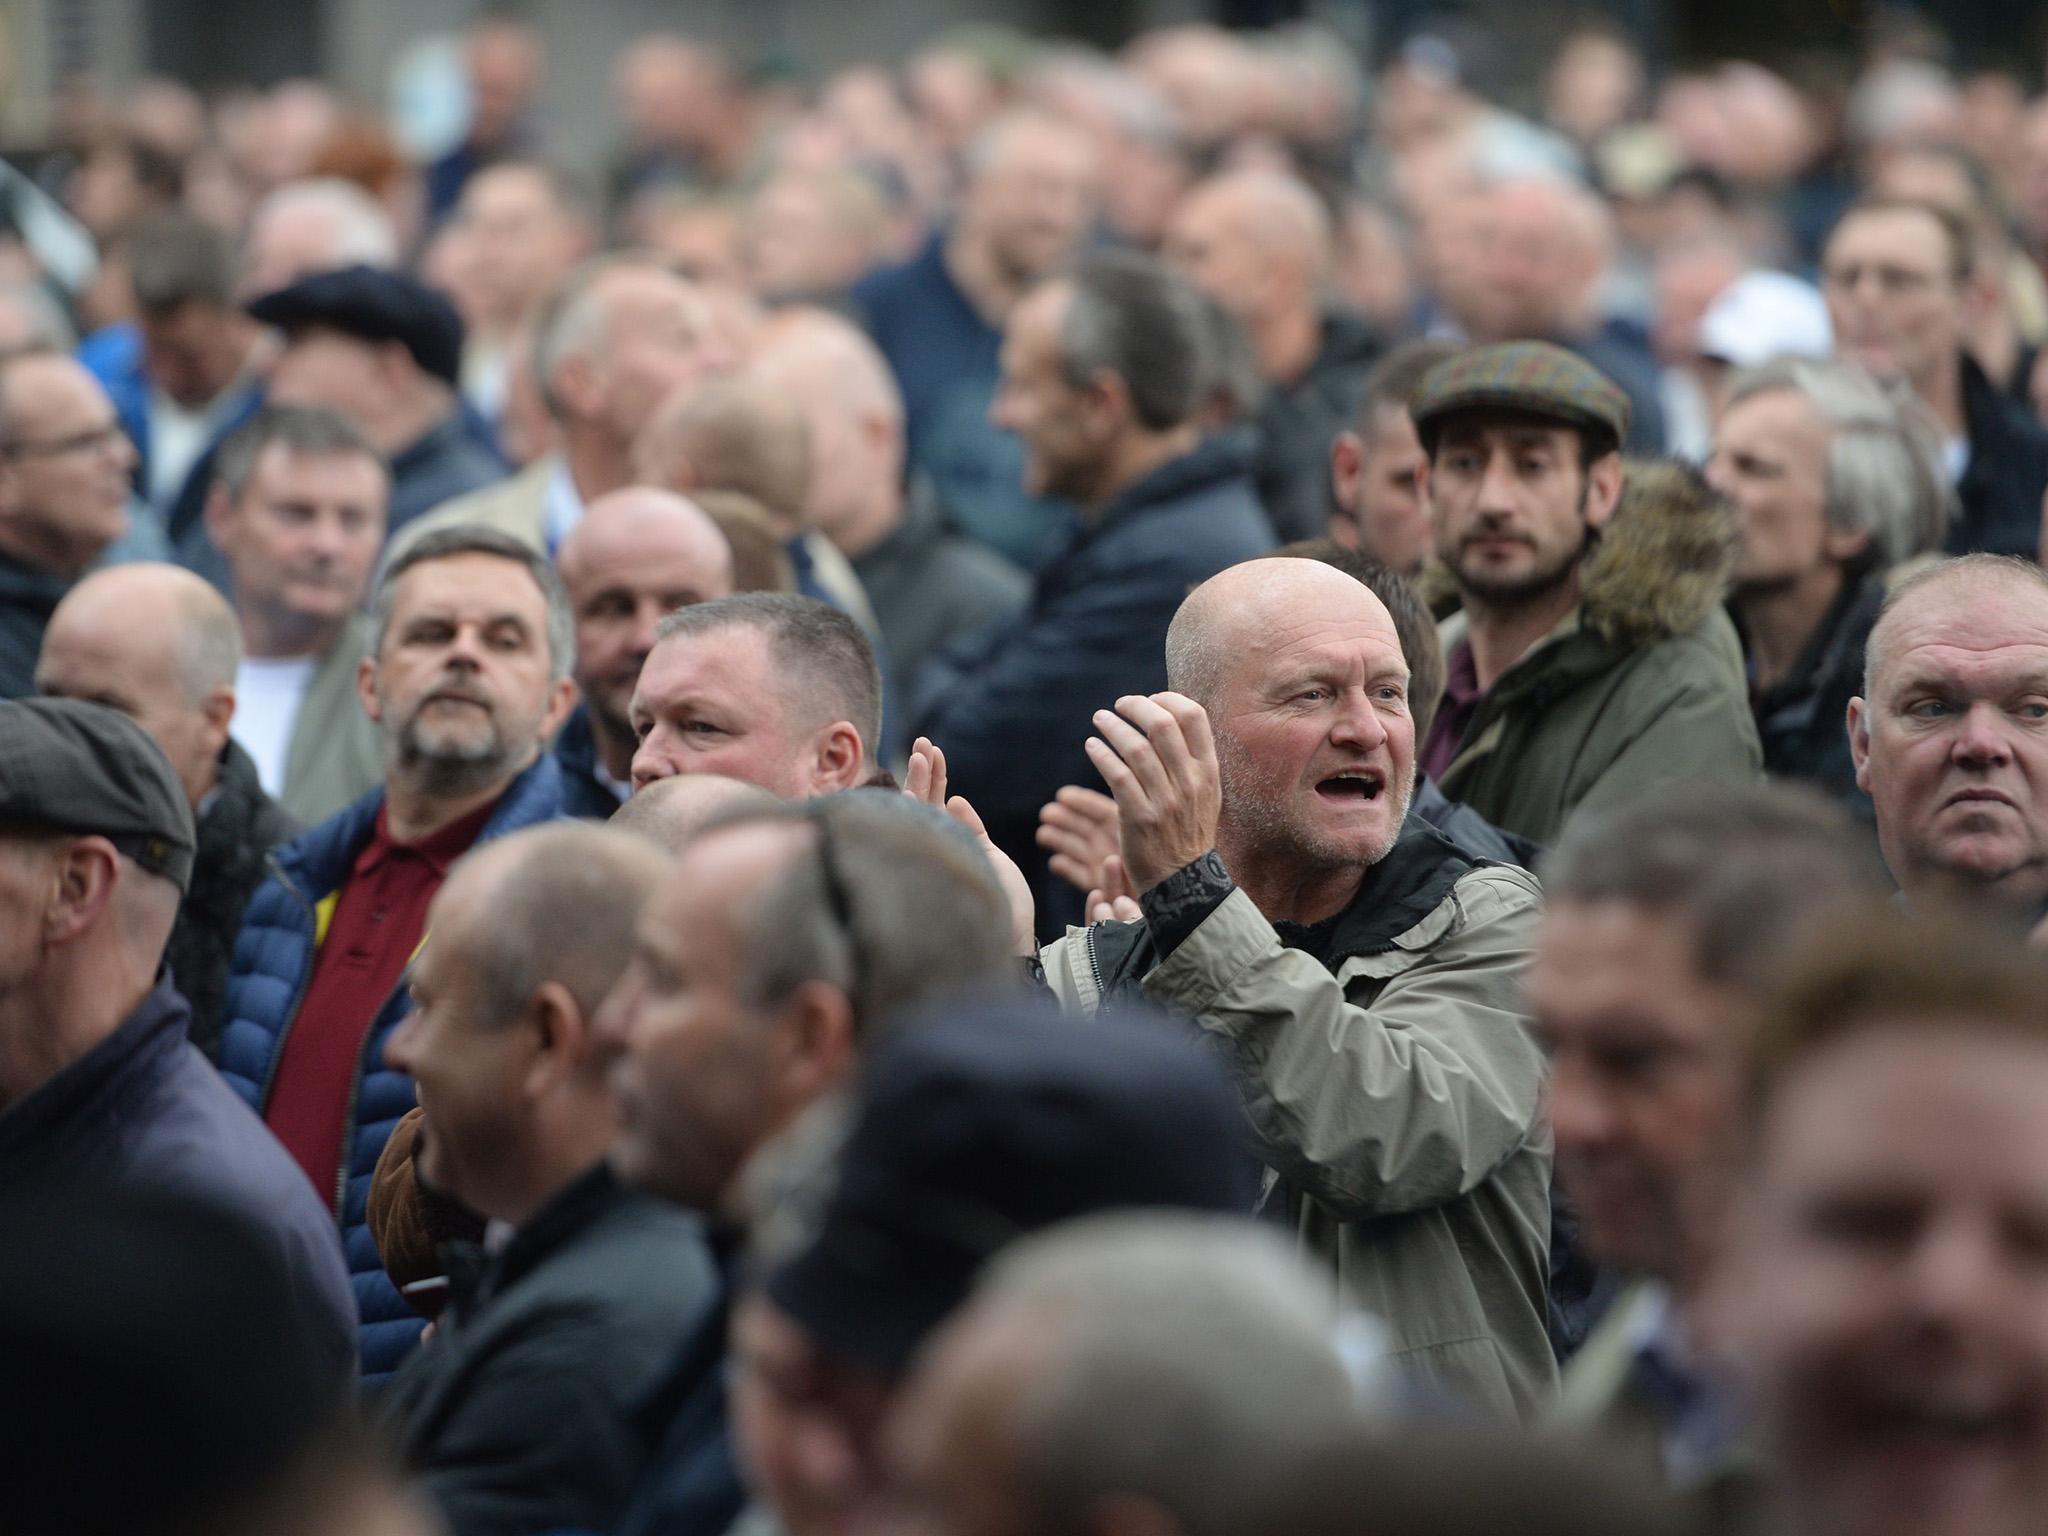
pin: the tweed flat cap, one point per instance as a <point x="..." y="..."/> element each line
<point x="1531" y="378"/>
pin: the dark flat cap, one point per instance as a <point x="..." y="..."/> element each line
<point x="376" y="305"/>
<point x="990" y="1122"/>
<point x="1528" y="378"/>
<point x="78" y="767"/>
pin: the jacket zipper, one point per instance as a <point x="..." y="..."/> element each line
<point x="1094" y="962"/>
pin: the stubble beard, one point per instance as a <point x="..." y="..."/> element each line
<point x="445" y="768"/>
<point x="1511" y="592"/>
<point x="1260" y="825"/>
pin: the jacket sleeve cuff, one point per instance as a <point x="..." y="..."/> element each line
<point x="1182" y="902"/>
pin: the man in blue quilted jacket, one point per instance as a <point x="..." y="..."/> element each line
<point x="467" y="680"/>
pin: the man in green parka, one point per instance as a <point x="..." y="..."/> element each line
<point x="1591" y="657"/>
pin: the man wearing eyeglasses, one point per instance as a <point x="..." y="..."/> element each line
<point x="64" y="468"/>
<point x="1897" y="278"/>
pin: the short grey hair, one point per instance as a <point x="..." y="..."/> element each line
<point x="819" y="650"/>
<point x="1884" y="471"/>
<point x="1132" y="317"/>
<point x="572" y="320"/>
<point x="917" y="913"/>
<point x="363" y="233"/>
<point x="311" y="430"/>
<point x="1742" y="867"/>
<point x="479" y="539"/>
<point x="1192" y="1357"/>
<point x="1983" y="568"/>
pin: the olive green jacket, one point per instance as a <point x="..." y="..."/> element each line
<point x="1641" y="683"/>
<point x="1394" y="1101"/>
<point x="336" y="754"/>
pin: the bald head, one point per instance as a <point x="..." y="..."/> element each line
<point x="826" y="367"/>
<point x="160" y="645"/>
<point x="638" y="554"/>
<point x="732" y="434"/>
<point x="669" y="812"/>
<point x="1543" y="247"/>
<point x="1222" y="621"/>
<point x="1260" y="244"/>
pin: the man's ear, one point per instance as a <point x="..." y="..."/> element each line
<point x="1347" y="468"/>
<point x="1858" y="726"/>
<point x="366" y="688"/>
<point x="85" y="874"/>
<point x="817" y="1037"/>
<point x="562" y="1041"/>
<point x="218" y="515"/>
<point x="219" y="710"/>
<point x="842" y="759"/>
<point x="1605" y="481"/>
<point x="562" y="697"/>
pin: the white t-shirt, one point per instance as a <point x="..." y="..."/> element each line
<point x="267" y="698"/>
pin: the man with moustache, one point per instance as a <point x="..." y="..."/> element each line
<point x="467" y="679"/>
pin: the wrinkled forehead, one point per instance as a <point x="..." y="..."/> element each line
<point x="1961" y="634"/>
<point x="1272" y="648"/>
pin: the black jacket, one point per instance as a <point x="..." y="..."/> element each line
<point x="584" y="795"/>
<point x="27" y="599"/>
<point x="2001" y="489"/>
<point x="1803" y="719"/>
<point x="1298" y="422"/>
<point x="519" y="1414"/>
<point x="236" y="835"/>
<point x="1012" y="706"/>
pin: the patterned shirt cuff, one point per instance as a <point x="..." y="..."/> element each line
<point x="1179" y="904"/>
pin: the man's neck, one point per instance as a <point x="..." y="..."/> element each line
<point x="21" y="547"/>
<point x="70" y="1015"/>
<point x="1286" y="893"/>
<point x="1942" y="392"/>
<point x="990" y="292"/>
<point x="1136" y="457"/>
<point x="1501" y="634"/>
<point x="412" y="813"/>
<point x="285" y="637"/>
<point x="552" y="1169"/>
<point x="598" y="465"/>
<point x="1287" y="345"/>
<point x="1780" y="622"/>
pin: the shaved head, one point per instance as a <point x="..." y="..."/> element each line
<point x="1277" y="210"/>
<point x="642" y="522"/>
<point x="837" y="380"/>
<point x="813" y="354"/>
<point x="1221" y="620"/>
<point x="1957" y="585"/>
<point x="669" y="812"/>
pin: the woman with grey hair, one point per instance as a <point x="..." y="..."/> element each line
<point x="1838" y="483"/>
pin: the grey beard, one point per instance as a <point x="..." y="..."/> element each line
<point x="449" y="774"/>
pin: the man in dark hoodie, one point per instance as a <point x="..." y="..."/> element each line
<point x="1260" y="245"/>
<point x="1592" y="656"/>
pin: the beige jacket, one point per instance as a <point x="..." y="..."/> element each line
<point x="336" y="754"/>
<point x="518" y="506"/>
<point x="1394" y="1102"/>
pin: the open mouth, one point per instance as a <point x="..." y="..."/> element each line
<point x="1356" y="786"/>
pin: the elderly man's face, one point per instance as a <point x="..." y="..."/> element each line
<point x="1644" y="1078"/>
<point x="335" y="371"/>
<point x="462" y="684"/>
<point x="1951" y="742"/>
<point x="1063" y="437"/>
<point x="1034" y="203"/>
<point x="64" y="465"/>
<point x="1314" y="740"/>
<point x="1888" y="1288"/>
<point x="1893" y="295"/>
<point x="1771" y="461"/>
<point x="713" y="703"/>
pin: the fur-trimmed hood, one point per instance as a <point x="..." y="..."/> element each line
<point x="1661" y="565"/>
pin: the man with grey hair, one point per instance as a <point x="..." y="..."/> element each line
<point x="519" y="1413"/>
<point x="1947" y="735"/>
<point x="1102" y="376"/>
<point x="64" y="494"/>
<point x="1031" y="194"/>
<point x="1156" y="1372"/>
<point x="779" y="690"/>
<point x="1261" y="245"/>
<point x="1362" y="973"/>
<point x="1836" y="483"/>
<point x="803" y="932"/>
<point x="619" y="335"/>
<point x="467" y="680"/>
<point x="318" y="225"/>
<point x="297" y="512"/>
<point x="158" y="644"/>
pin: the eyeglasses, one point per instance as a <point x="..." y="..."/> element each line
<point x="838" y="896"/>
<point x="79" y="442"/>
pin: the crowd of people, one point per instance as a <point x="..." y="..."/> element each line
<point x="1188" y="792"/>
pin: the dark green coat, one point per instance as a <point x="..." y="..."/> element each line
<point x="1642" y="682"/>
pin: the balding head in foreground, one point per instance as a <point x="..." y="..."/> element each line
<point x="160" y="645"/>
<point x="735" y="434"/>
<point x="638" y="554"/>
<point x="671" y="811"/>
<point x="1300" y="670"/>
<point x="1946" y="738"/>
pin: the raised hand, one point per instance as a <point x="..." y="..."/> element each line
<point x="1159" y="759"/>
<point x="1078" y="828"/>
<point x="925" y="779"/>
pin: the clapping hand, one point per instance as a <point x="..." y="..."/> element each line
<point x="925" y="780"/>
<point x="1159" y="759"/>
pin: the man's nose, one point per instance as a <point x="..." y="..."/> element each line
<point x="1358" y="723"/>
<point x="652" y="761"/>
<point x="1980" y="738"/>
<point x="1956" y="1272"/>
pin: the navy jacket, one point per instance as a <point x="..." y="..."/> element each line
<point x="584" y="795"/>
<point x="1011" y="708"/>
<point x="27" y="599"/>
<point x="2001" y="489"/>
<point x="144" y="1106"/>
<point x="272" y="963"/>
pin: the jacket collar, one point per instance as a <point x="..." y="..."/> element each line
<point x="85" y="1094"/>
<point x="24" y="586"/>
<point x="1846" y="623"/>
<point x="562" y="1219"/>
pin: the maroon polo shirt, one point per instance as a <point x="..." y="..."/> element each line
<point x="1462" y="694"/>
<point x="379" y="918"/>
